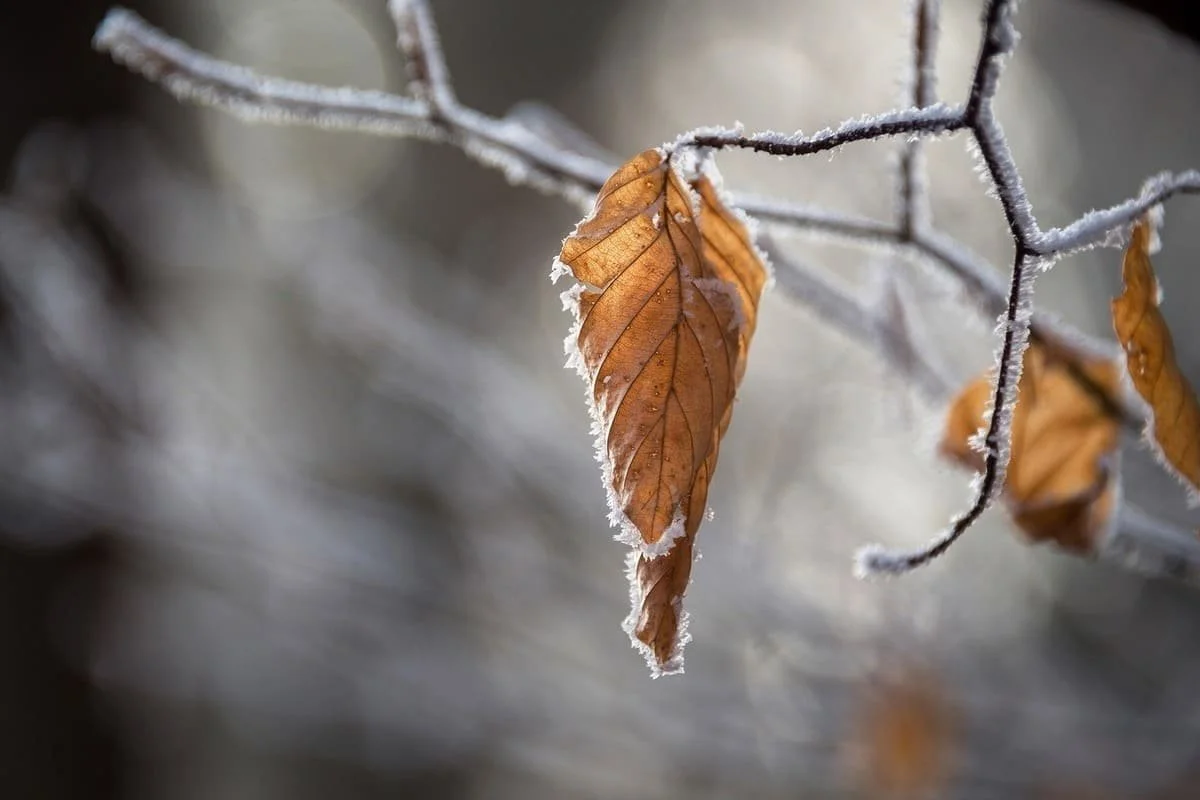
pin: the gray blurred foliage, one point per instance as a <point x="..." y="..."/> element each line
<point x="367" y="554"/>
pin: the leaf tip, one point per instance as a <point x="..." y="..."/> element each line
<point x="661" y="662"/>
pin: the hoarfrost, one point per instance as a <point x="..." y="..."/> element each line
<point x="570" y="301"/>
<point x="1104" y="227"/>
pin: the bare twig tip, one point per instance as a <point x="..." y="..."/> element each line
<point x="876" y="561"/>
<point x="116" y="23"/>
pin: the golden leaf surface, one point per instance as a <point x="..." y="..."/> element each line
<point x="1150" y="361"/>
<point x="1061" y="484"/>
<point x="666" y="304"/>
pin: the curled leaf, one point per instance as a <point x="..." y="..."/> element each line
<point x="1150" y="361"/>
<point x="1061" y="484"/>
<point x="665" y="307"/>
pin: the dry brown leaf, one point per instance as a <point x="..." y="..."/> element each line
<point x="902" y="742"/>
<point x="665" y="307"/>
<point x="1061" y="484"/>
<point x="1150" y="360"/>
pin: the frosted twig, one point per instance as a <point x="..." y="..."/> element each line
<point x="196" y="77"/>
<point x="913" y="212"/>
<point x="1097" y="227"/>
<point x="925" y="34"/>
<point x="433" y="113"/>
<point x="999" y="39"/>
<point x="429" y="79"/>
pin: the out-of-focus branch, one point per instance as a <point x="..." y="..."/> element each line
<point x="913" y="207"/>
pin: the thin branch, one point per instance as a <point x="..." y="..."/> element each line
<point x="1097" y="227"/>
<point x="1149" y="545"/>
<point x="913" y="212"/>
<point x="930" y="121"/>
<point x="999" y="39"/>
<point x="925" y="35"/>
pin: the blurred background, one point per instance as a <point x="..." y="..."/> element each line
<point x="297" y="501"/>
